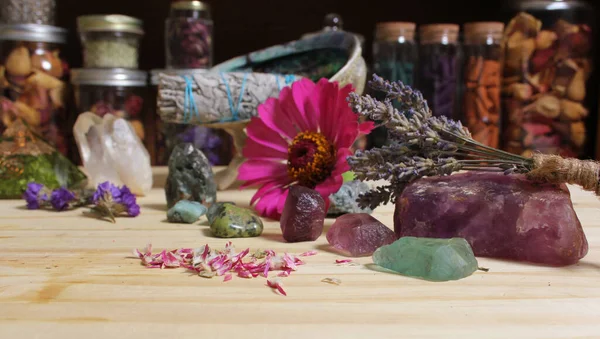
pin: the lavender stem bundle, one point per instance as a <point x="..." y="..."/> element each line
<point x="423" y="145"/>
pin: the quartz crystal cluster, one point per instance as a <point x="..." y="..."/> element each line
<point x="111" y="151"/>
<point x="506" y="217"/>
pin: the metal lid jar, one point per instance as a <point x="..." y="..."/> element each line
<point x="110" y="41"/>
<point x="28" y="12"/>
<point x="31" y="78"/>
<point x="118" y="91"/>
<point x="189" y="35"/>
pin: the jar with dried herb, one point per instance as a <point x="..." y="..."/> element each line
<point x="28" y="12"/>
<point x="110" y="41"/>
<point x="438" y="69"/>
<point x="547" y="65"/>
<point x="216" y="144"/>
<point x="32" y="80"/>
<point x="188" y="35"/>
<point x="481" y="81"/>
<point x="117" y="91"/>
<point x="395" y="52"/>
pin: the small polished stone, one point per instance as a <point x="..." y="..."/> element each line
<point x="186" y="212"/>
<point x="501" y="216"/>
<point x="428" y="259"/>
<point x="236" y="222"/>
<point x="190" y="176"/>
<point x="359" y="235"/>
<point x="214" y="210"/>
<point x="303" y="215"/>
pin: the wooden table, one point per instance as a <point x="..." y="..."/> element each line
<point x="63" y="275"/>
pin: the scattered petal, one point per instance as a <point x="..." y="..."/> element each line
<point x="333" y="281"/>
<point x="343" y="261"/>
<point x="275" y="284"/>
<point x="309" y="254"/>
<point x="227" y="277"/>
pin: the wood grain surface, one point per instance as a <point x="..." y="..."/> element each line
<point x="65" y="275"/>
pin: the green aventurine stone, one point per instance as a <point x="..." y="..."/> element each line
<point x="429" y="259"/>
<point x="236" y="222"/>
<point x="186" y="212"/>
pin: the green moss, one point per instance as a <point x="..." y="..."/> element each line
<point x="52" y="170"/>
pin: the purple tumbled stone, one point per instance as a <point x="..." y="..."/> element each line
<point x="501" y="216"/>
<point x="359" y="235"/>
<point x="303" y="215"/>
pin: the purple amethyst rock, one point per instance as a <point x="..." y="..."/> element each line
<point x="501" y="216"/>
<point x="303" y="215"/>
<point x="359" y="235"/>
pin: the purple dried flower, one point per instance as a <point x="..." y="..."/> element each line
<point x="106" y="192"/>
<point x="129" y="203"/>
<point x="35" y="195"/>
<point x="61" y="198"/>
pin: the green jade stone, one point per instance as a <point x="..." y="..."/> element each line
<point x="428" y="259"/>
<point x="215" y="209"/>
<point x="186" y="212"/>
<point x="236" y="222"/>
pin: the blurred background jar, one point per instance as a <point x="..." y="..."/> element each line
<point x="28" y="12"/>
<point x="117" y="91"/>
<point x="438" y="69"/>
<point x="481" y="81"/>
<point x="216" y="144"/>
<point x="548" y="64"/>
<point x="395" y="55"/>
<point x="110" y="41"/>
<point x="32" y="80"/>
<point x="189" y="35"/>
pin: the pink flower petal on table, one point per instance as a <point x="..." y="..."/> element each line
<point x="244" y="274"/>
<point x="309" y="253"/>
<point x="276" y="285"/>
<point x="227" y="277"/>
<point x="289" y="262"/>
<point x="284" y="274"/>
<point x="267" y="267"/>
<point x="343" y="261"/>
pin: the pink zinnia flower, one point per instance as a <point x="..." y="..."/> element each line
<point x="302" y="138"/>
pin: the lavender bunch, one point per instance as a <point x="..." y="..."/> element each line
<point x="421" y="144"/>
<point x="39" y="196"/>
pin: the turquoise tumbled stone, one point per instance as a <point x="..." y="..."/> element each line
<point x="428" y="259"/>
<point x="186" y="212"/>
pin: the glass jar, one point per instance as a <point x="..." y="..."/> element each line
<point x="32" y="79"/>
<point x="438" y="70"/>
<point x="481" y="82"/>
<point x="117" y="91"/>
<point x="395" y="52"/>
<point x="110" y="41"/>
<point x="188" y="35"/>
<point x="546" y="88"/>
<point x="27" y="11"/>
<point x="216" y="144"/>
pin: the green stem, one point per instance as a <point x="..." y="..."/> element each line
<point x="479" y="169"/>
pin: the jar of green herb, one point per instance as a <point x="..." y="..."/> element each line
<point x="110" y="41"/>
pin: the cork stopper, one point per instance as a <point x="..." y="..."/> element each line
<point x="477" y="32"/>
<point x="392" y="31"/>
<point x="439" y="34"/>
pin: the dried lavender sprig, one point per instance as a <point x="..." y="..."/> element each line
<point x="423" y="145"/>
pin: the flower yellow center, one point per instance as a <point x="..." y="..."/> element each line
<point x="311" y="159"/>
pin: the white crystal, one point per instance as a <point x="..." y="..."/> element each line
<point x="111" y="151"/>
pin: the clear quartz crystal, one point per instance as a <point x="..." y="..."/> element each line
<point x="111" y="151"/>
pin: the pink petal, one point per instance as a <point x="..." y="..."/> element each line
<point x="330" y="186"/>
<point x="268" y="204"/>
<point x="366" y="127"/>
<point x="259" y="132"/>
<point x="309" y="254"/>
<point x="346" y="135"/>
<point x="263" y="190"/>
<point x="288" y="108"/>
<point x="272" y="115"/>
<point x="302" y="91"/>
<point x="255" y="169"/>
<point x="227" y="277"/>
<point x="282" y="199"/>
<point x="343" y="261"/>
<point x="276" y="285"/>
<point x="255" y="151"/>
<point x="329" y="118"/>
